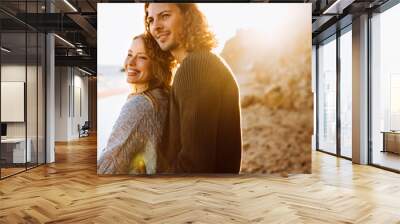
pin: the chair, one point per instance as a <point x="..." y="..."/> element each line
<point x="84" y="130"/>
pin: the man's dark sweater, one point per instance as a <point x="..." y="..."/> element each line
<point x="204" y="130"/>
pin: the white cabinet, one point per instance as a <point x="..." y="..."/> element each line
<point x="18" y="149"/>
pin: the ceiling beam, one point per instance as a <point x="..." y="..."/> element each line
<point x="84" y="24"/>
<point x="82" y="61"/>
<point x="338" y="6"/>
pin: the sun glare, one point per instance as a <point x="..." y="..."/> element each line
<point x="275" y="23"/>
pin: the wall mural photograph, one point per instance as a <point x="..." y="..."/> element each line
<point x="204" y="88"/>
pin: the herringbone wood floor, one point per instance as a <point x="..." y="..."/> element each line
<point x="70" y="191"/>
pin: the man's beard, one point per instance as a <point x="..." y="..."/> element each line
<point x="169" y="47"/>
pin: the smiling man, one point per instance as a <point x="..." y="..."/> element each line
<point x="204" y="131"/>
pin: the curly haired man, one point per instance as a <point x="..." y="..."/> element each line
<point x="204" y="127"/>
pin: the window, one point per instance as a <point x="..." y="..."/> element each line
<point x="385" y="89"/>
<point x="346" y="93"/>
<point x="22" y="76"/>
<point x="327" y="96"/>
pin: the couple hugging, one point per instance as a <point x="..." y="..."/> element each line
<point x="188" y="122"/>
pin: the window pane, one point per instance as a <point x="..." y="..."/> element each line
<point x="41" y="98"/>
<point x="386" y="89"/>
<point x="31" y="97"/>
<point x="14" y="153"/>
<point x="327" y="97"/>
<point x="346" y="94"/>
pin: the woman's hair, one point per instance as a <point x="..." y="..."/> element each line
<point x="161" y="62"/>
<point x="196" y="35"/>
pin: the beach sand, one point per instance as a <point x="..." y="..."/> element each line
<point x="276" y="127"/>
<point x="276" y="101"/>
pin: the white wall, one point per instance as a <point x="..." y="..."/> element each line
<point x="81" y="103"/>
<point x="12" y="73"/>
<point x="71" y="94"/>
<point x="62" y="81"/>
<point x="33" y="126"/>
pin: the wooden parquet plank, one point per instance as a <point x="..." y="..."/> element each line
<point x="70" y="191"/>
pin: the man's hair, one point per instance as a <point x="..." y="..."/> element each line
<point x="161" y="62"/>
<point x="196" y="34"/>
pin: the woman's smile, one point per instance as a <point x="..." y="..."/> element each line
<point x="134" y="73"/>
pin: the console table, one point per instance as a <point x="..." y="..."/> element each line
<point x="391" y="141"/>
<point x="13" y="150"/>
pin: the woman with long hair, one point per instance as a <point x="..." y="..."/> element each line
<point x="137" y="134"/>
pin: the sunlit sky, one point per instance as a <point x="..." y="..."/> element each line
<point x="119" y="22"/>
